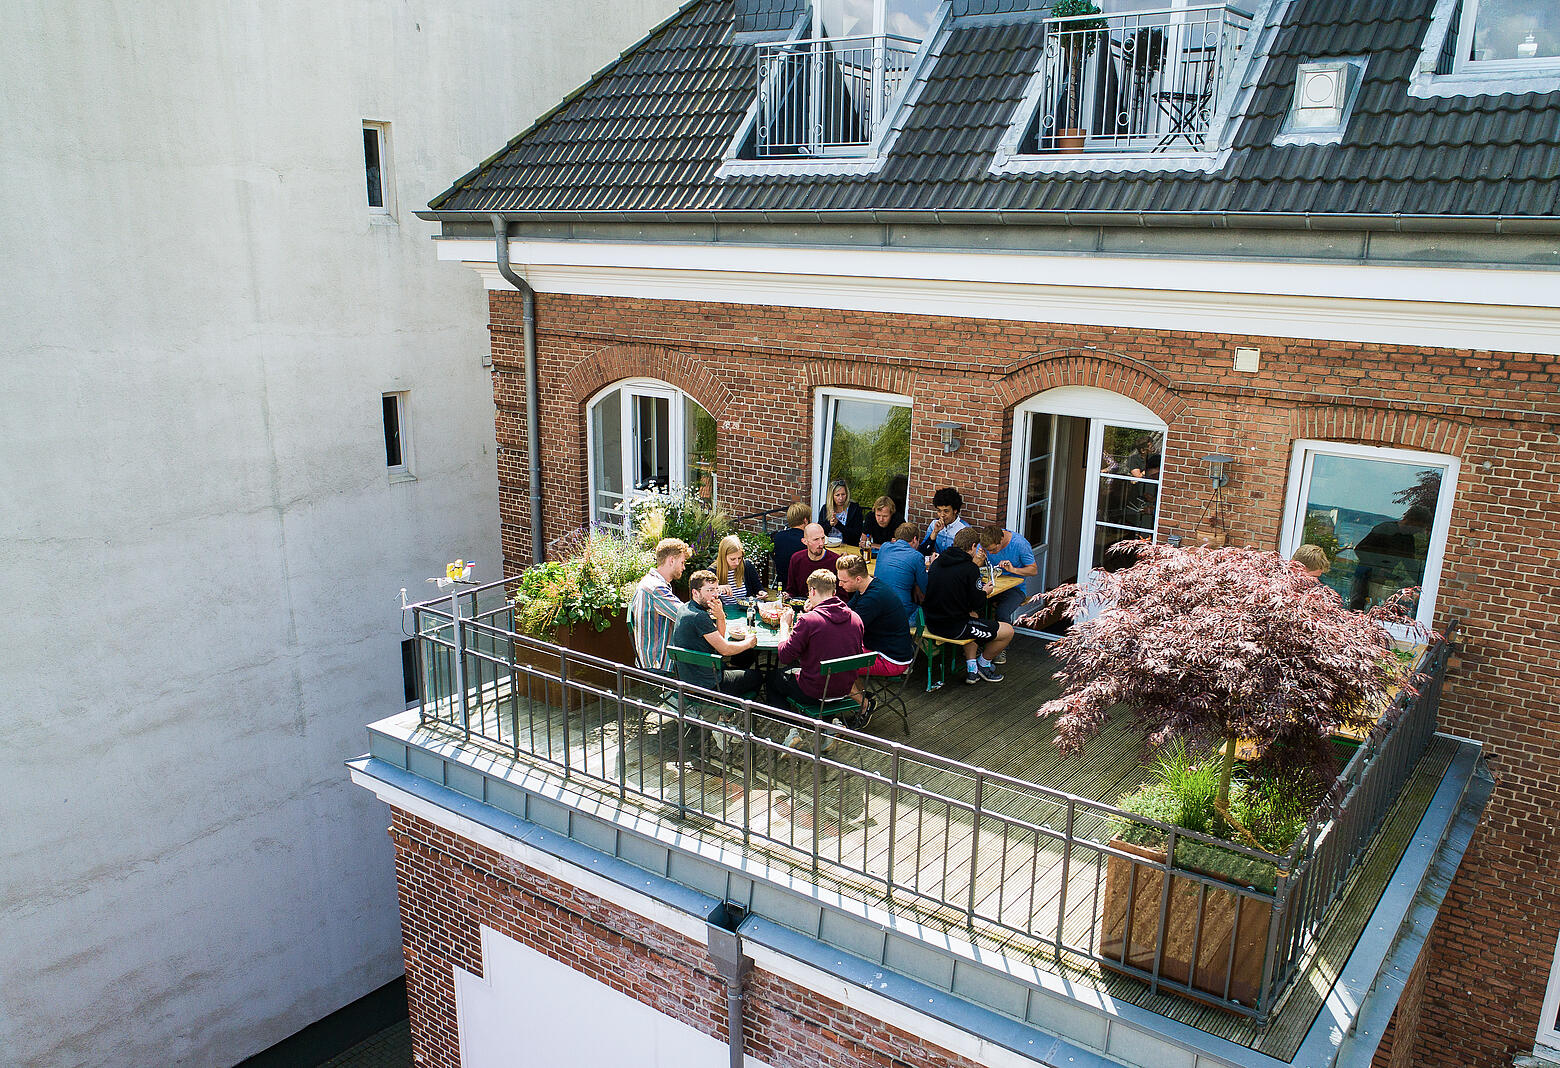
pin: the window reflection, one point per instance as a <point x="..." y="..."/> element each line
<point x="1515" y="30"/>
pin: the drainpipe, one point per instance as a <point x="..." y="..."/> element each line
<point x="726" y="951"/>
<point x="533" y="432"/>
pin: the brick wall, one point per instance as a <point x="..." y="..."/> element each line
<point x="450" y="888"/>
<point x="756" y="370"/>
<point x="1397" y="1043"/>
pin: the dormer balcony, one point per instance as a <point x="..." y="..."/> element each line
<point x="829" y="96"/>
<point x="1138" y="81"/>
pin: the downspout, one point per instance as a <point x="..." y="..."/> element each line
<point x="533" y="432"/>
<point x="726" y="951"/>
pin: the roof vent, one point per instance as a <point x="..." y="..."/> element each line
<point x="1325" y="90"/>
<point x="1320" y="92"/>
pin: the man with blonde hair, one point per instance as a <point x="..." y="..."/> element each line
<point x="1314" y="559"/>
<point x="655" y="607"/>
<point x="826" y="630"/>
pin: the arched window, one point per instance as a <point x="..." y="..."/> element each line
<point x="645" y="435"/>
<point x="1085" y="475"/>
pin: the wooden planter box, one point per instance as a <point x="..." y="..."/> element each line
<point x="1140" y="899"/>
<point x="616" y="644"/>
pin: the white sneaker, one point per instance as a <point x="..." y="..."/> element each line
<point x="794" y="739"/>
<point x="1000" y="658"/>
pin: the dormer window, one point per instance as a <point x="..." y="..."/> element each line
<point x="830" y="92"/>
<point x="1509" y="35"/>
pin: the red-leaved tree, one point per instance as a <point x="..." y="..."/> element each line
<point x="1215" y="645"/>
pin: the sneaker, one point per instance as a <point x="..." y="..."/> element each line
<point x="794" y="739"/>
<point x="1000" y="658"/>
<point x="861" y="718"/>
<point x="989" y="672"/>
<point x="972" y="677"/>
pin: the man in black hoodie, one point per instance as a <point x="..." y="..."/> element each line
<point x="955" y="598"/>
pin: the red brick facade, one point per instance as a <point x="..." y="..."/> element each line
<point x="451" y="888"/>
<point x="756" y="368"/>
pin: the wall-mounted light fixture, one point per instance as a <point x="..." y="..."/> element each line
<point x="1219" y="464"/>
<point x="950" y="443"/>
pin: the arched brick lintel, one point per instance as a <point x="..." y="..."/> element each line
<point x="1383" y="426"/>
<point x="877" y="377"/>
<point x="616" y="362"/>
<point x="1091" y="367"/>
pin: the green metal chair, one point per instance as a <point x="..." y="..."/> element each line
<point x="835" y="707"/>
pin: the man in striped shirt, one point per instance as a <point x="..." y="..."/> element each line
<point x="654" y="609"/>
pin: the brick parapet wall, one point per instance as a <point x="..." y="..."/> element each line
<point x="756" y="369"/>
<point x="451" y="888"/>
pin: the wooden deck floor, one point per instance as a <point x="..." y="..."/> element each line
<point x="933" y="837"/>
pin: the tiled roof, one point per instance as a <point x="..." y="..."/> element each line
<point x="647" y="135"/>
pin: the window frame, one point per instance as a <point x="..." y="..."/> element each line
<point x="1435" y="557"/>
<point x="385" y="211"/>
<point x="1548" y="1041"/>
<point x="678" y="448"/>
<point x="1462" y="64"/>
<point x="401" y="472"/>
<point x="822" y="430"/>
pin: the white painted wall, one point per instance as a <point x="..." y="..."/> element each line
<point x="200" y="551"/>
<point x="530" y="1011"/>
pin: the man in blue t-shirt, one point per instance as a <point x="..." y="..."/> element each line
<point x="940" y="532"/>
<point x="901" y="567"/>
<point x="1010" y="553"/>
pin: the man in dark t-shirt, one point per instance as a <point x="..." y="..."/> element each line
<point x="697" y="629"/>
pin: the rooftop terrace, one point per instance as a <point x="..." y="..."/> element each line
<point x="971" y="826"/>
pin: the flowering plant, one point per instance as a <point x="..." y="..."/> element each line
<point x="591" y="583"/>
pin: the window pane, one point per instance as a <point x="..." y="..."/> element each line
<point x="1374" y="519"/>
<point x="910" y="18"/>
<point x="392" y="412"/>
<point x="371" y="164"/>
<point x="699" y="433"/>
<point x="1128" y="502"/>
<point x="1516" y="29"/>
<point x="870" y="450"/>
<point x="606" y="440"/>
<point x="409" y="669"/>
<point x="652" y="443"/>
<point x="844" y="18"/>
<point x="1104" y="537"/>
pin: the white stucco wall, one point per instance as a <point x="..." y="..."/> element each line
<point x="200" y="550"/>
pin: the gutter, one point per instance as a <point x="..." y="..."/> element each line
<point x="1211" y="220"/>
<point x="533" y="432"/>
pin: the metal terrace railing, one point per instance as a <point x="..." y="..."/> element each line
<point x="933" y="836"/>
<point x="1137" y="81"/>
<point x="828" y="96"/>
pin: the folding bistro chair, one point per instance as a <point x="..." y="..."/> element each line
<point x="698" y="658"/>
<point x="888" y="691"/>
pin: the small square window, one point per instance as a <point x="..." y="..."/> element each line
<point x="1511" y="33"/>
<point x="409" y="671"/>
<point x="398" y="450"/>
<point x="376" y="168"/>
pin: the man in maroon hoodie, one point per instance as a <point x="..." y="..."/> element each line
<point x="827" y="630"/>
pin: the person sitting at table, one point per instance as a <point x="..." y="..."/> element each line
<point x="901" y="567"/>
<point x="827" y="630"/>
<point x="813" y="557"/>
<point x="1010" y="553"/>
<point x="940" y="532"/>
<point x="735" y="579"/>
<point x="1314" y="559"/>
<point x="788" y="542"/>
<point x="840" y="516"/>
<point x="955" y="599"/>
<point x="884" y="621"/>
<point x="877" y="529"/>
<point x="654" y="609"/>
<point x="701" y="626"/>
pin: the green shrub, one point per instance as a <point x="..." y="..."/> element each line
<point x="591" y="584"/>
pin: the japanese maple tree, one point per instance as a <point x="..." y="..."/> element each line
<point x="1216" y="645"/>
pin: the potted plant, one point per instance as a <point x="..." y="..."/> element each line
<point x="1212" y="646"/>
<point x="580" y="599"/>
<point x="1079" y="37"/>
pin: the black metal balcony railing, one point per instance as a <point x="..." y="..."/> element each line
<point x="932" y="835"/>
<point x="1137" y="81"/>
<point x="828" y="96"/>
